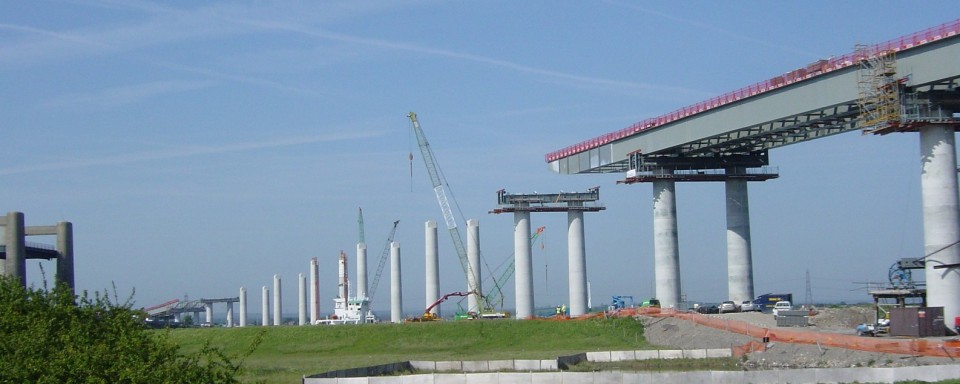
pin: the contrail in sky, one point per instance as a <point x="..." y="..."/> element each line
<point x="72" y="38"/>
<point x="318" y="33"/>
<point x="183" y="152"/>
<point x="714" y="29"/>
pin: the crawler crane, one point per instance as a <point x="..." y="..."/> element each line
<point x="439" y="183"/>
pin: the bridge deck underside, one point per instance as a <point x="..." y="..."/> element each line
<point x="812" y="109"/>
<point x="32" y="253"/>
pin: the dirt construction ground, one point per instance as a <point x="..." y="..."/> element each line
<point x="673" y="333"/>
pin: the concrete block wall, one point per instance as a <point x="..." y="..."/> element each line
<point x="930" y="373"/>
<point x="478" y="366"/>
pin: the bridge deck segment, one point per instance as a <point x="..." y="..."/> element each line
<point x="816" y="101"/>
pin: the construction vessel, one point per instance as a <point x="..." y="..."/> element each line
<point x="346" y="309"/>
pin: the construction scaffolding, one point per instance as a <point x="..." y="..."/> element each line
<point x="879" y="89"/>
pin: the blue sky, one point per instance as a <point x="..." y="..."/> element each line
<point x="200" y="146"/>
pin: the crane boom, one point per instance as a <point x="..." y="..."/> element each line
<point x="437" y="179"/>
<point x="383" y="259"/>
<point x="496" y="295"/>
<point x="444" y="298"/>
<point x="360" y="226"/>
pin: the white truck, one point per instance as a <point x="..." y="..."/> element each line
<point x="782" y="305"/>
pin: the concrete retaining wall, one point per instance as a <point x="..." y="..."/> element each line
<point x="930" y="373"/>
<point x="563" y="362"/>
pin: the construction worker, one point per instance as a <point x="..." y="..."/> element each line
<point x="563" y="310"/>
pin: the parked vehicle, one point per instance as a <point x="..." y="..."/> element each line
<point x="708" y="308"/>
<point x="727" y="307"/>
<point x="870" y="329"/>
<point x="652" y="303"/>
<point x="767" y="301"/>
<point x="781" y="306"/>
<point x="749" y="306"/>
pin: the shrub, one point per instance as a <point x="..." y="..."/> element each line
<point x="57" y="337"/>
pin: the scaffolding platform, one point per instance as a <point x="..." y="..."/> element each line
<point x="548" y="202"/>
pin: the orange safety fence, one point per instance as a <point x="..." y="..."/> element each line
<point x="934" y="347"/>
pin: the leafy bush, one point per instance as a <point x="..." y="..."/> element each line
<point x="57" y="337"/>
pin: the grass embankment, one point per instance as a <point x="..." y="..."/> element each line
<point x="288" y="353"/>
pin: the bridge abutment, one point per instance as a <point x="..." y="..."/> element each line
<point x="941" y="218"/>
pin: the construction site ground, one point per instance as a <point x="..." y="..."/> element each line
<point x="674" y="333"/>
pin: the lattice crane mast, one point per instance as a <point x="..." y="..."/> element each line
<point x="436" y="177"/>
<point x="496" y="295"/>
<point x="360" y="226"/>
<point x="383" y="259"/>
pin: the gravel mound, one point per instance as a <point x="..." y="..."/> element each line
<point x="673" y="333"/>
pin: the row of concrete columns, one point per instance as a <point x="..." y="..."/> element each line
<point x="208" y="310"/>
<point x="14" y="238"/>
<point x="308" y="297"/>
<point x="941" y="220"/>
<point x="576" y="264"/>
<point x="667" y="250"/>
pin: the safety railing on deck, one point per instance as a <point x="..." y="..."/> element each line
<point x="814" y="69"/>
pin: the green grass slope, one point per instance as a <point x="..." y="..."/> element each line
<point x="288" y="353"/>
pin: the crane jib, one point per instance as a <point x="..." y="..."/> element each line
<point x="445" y="207"/>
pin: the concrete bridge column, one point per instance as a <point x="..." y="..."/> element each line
<point x="302" y="299"/>
<point x="576" y="263"/>
<point x="314" y="290"/>
<point x="229" y="314"/>
<point x="361" y="270"/>
<point x="13" y="236"/>
<point x="396" y="285"/>
<point x="265" y="310"/>
<point x="941" y="218"/>
<point x="65" y="254"/>
<point x="208" y="309"/>
<point x="523" y="263"/>
<point x="432" y="263"/>
<point x="665" y="243"/>
<point x="739" y="258"/>
<point x="243" y="307"/>
<point x="277" y="302"/>
<point x="474" y="286"/>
